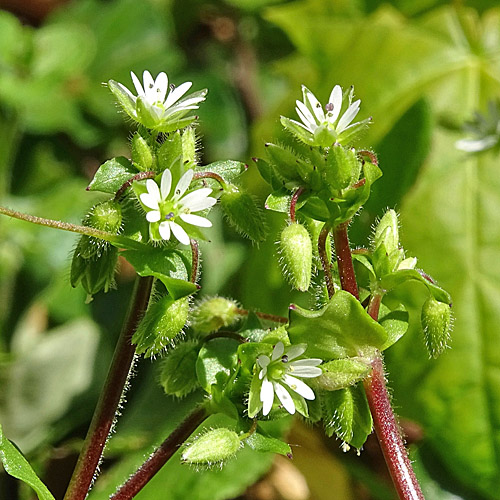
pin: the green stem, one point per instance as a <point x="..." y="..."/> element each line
<point x="111" y="395"/>
<point x="117" y="240"/>
<point x="160" y="456"/>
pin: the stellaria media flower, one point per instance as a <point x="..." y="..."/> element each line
<point x="277" y="375"/>
<point x="157" y="105"/>
<point x="323" y="126"/>
<point x="167" y="212"/>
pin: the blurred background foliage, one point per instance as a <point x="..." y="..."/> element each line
<point x="421" y="67"/>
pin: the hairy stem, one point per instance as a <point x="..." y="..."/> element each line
<point x="116" y="239"/>
<point x="389" y="434"/>
<point x="160" y="456"/>
<point x="210" y="175"/>
<point x="104" y="414"/>
<point x="137" y="177"/>
<point x="325" y="260"/>
<point x="265" y="316"/>
<point x="384" y="421"/>
<point x="293" y="203"/>
<point x="195" y="260"/>
<point x="344" y="260"/>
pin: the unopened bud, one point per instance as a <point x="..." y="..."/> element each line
<point x="387" y="232"/>
<point x="342" y="168"/>
<point x="141" y="153"/>
<point x="213" y="314"/>
<point x="295" y="249"/>
<point x="212" y="448"/>
<point x="163" y="321"/>
<point x="242" y="213"/>
<point x="436" y="322"/>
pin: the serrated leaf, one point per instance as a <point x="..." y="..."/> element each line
<point x="346" y="413"/>
<point x="17" y="466"/>
<point x="112" y="175"/>
<point x="166" y="265"/>
<point x="339" y="330"/>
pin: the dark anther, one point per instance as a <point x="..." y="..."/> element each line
<point x="329" y="106"/>
<point x="171" y="87"/>
<point x="284" y="358"/>
<point x="169" y="216"/>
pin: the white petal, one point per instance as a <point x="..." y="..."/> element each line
<point x="198" y="200"/>
<point x="311" y="126"/>
<point x="177" y="93"/>
<point x="476" y="145"/>
<point x="183" y="183"/>
<point x="266" y="396"/>
<point x="149" y="85"/>
<point x="160" y="89"/>
<point x="307" y="362"/>
<point x="153" y="189"/>
<point x="299" y="387"/>
<point x="302" y="125"/>
<point x="348" y="116"/>
<point x="196" y="220"/>
<point x="316" y="107"/>
<point x="137" y="84"/>
<point x="305" y="371"/>
<point x="166" y="184"/>
<point x="190" y="102"/>
<point x="295" y="351"/>
<point x="149" y="200"/>
<point x="278" y="351"/>
<point x="262" y="373"/>
<point x="164" y="230"/>
<point x="179" y="233"/>
<point x="309" y="118"/>
<point x="336" y="100"/>
<point x="132" y="97"/>
<point x="153" y="216"/>
<point x="285" y="398"/>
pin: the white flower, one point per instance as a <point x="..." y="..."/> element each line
<point x="158" y="106"/>
<point x="279" y="376"/>
<point x="165" y="208"/>
<point x="326" y="124"/>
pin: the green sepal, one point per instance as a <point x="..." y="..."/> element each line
<point x="220" y="403"/>
<point x="299" y="132"/>
<point x="284" y="163"/>
<point x="263" y="443"/>
<point x="393" y="280"/>
<point x="249" y="352"/>
<point x="161" y="324"/>
<point x="279" y="201"/>
<point x="347" y="414"/>
<point x="318" y="209"/>
<point x="212" y="447"/>
<point x="436" y="322"/>
<point x="342" y="168"/>
<point x="216" y="361"/>
<point x="254" y="402"/>
<point x="112" y="175"/>
<point x="17" y="466"/>
<point x="189" y="146"/>
<point x="342" y="373"/>
<point x="341" y="329"/>
<point x="387" y="232"/>
<point x="178" y="370"/>
<point x="166" y="265"/>
<point x="123" y="98"/>
<point x="243" y="213"/>
<point x="170" y="152"/>
<point x="295" y="249"/>
<point x="141" y="153"/>
<point x="268" y="174"/>
<point x="394" y="322"/>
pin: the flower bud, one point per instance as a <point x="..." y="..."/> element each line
<point x="437" y="322"/>
<point x="212" y="448"/>
<point x="387" y="232"/>
<point x="141" y="153"/>
<point x="214" y="313"/>
<point x="242" y="213"/>
<point x="163" y="321"/>
<point x="295" y="249"/>
<point x="342" y="168"/>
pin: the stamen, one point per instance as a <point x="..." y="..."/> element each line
<point x="284" y="358"/>
<point x="329" y="106"/>
<point x="171" y="87"/>
<point x="169" y="216"/>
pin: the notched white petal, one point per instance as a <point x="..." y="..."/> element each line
<point x="179" y="233"/>
<point x="164" y="230"/>
<point x="196" y="220"/>
<point x="285" y="398"/>
<point x="299" y="387"/>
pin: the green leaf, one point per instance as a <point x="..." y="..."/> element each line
<point x="178" y="371"/>
<point x="342" y="373"/>
<point x="216" y="362"/>
<point x="229" y="170"/>
<point x="341" y="329"/>
<point x="112" y="175"/>
<point x="279" y="201"/>
<point x="395" y="323"/>
<point x="17" y="466"/>
<point x="164" y="264"/>
<point x="346" y="413"/>
<point x="259" y="442"/>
